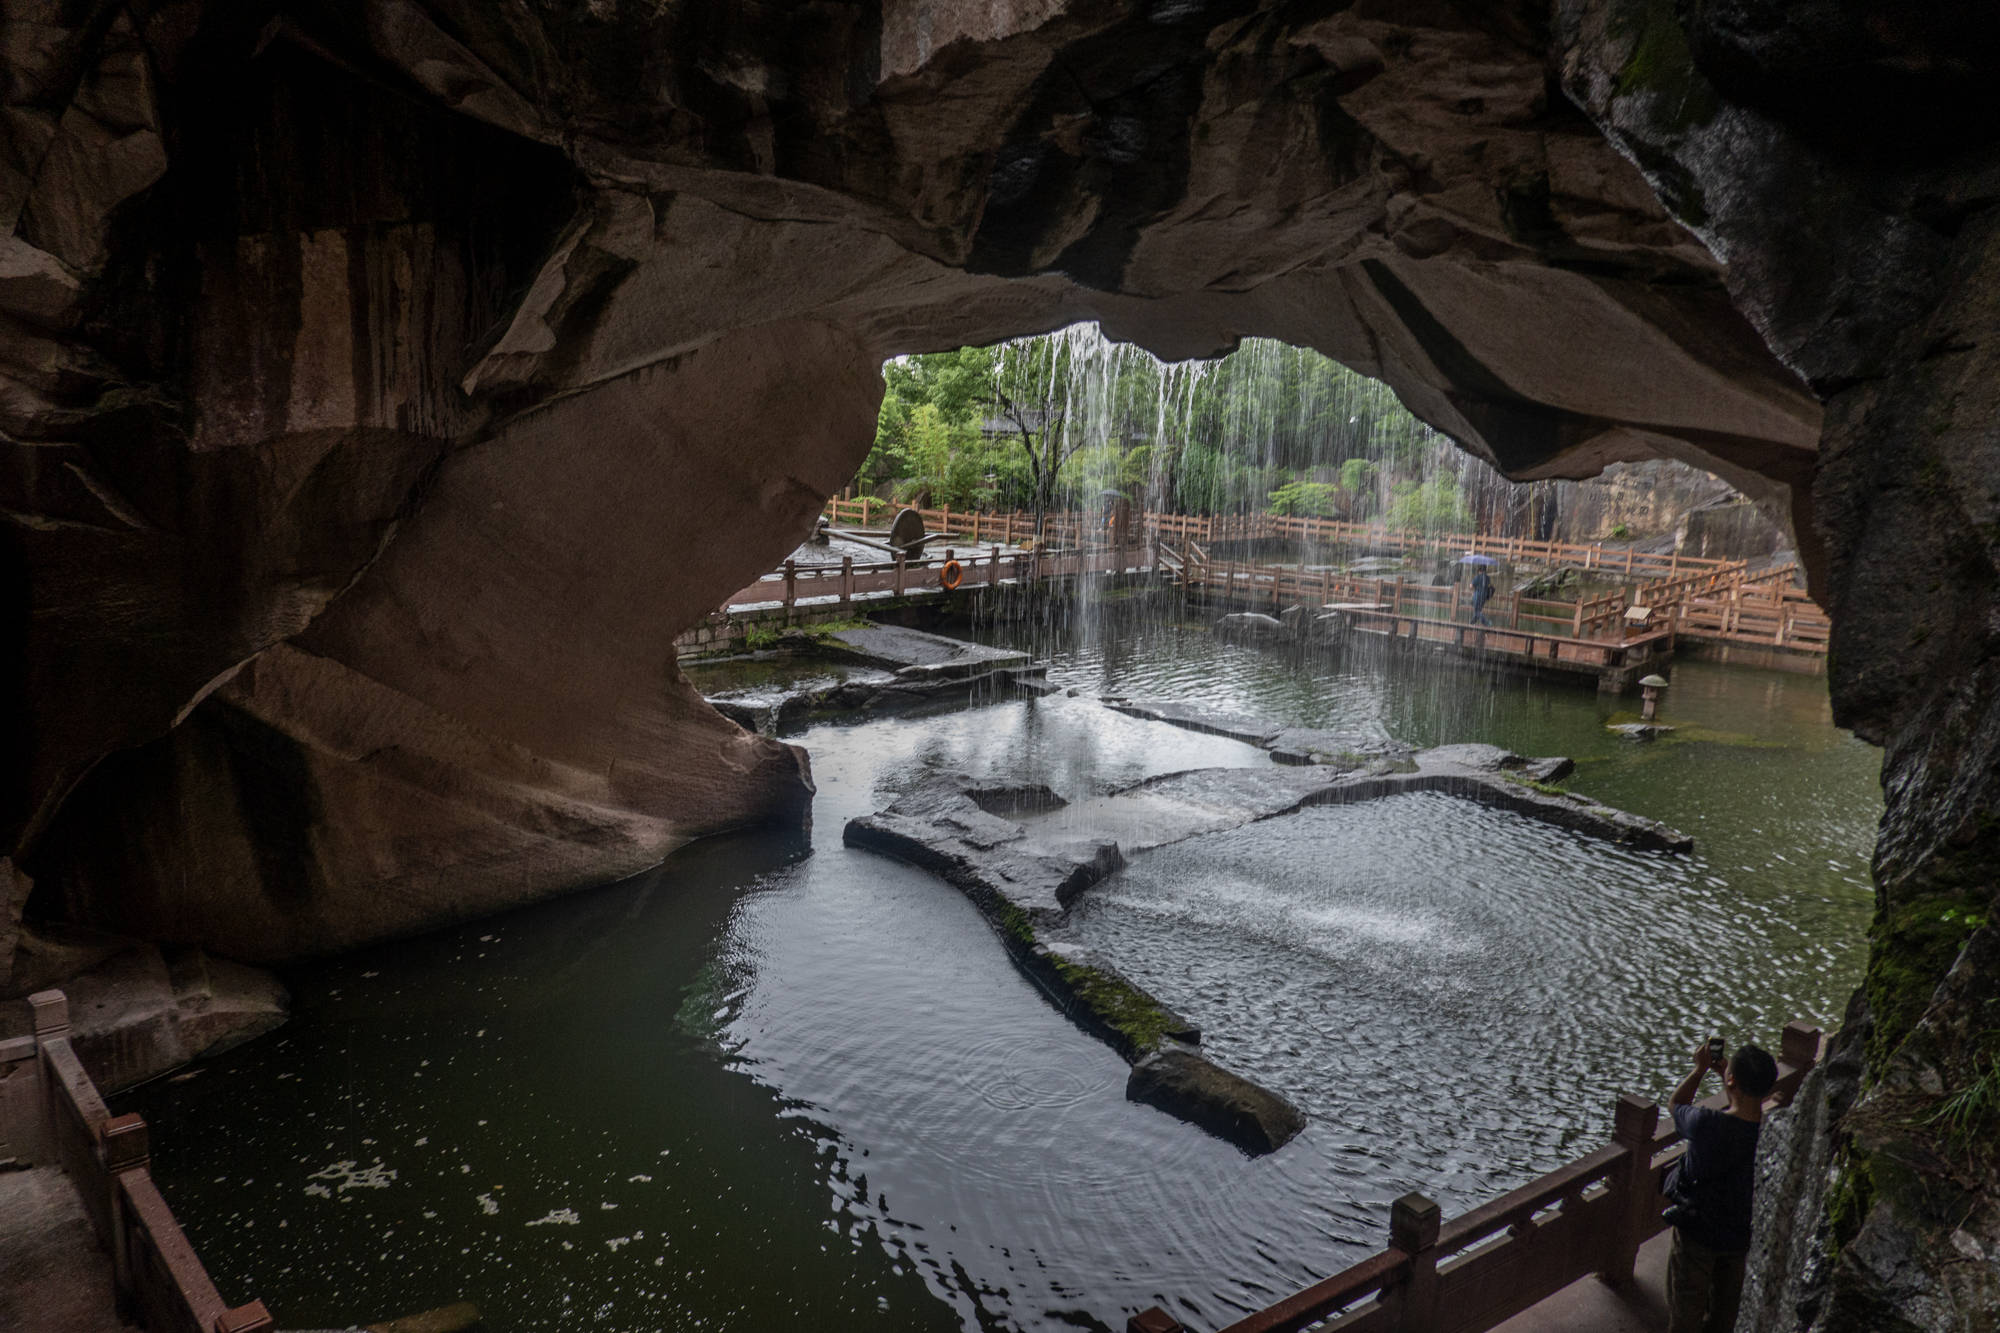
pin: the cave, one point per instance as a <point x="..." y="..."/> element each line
<point x="385" y="386"/>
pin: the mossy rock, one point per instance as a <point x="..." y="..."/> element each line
<point x="1911" y="948"/>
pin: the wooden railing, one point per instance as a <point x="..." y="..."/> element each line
<point x="1488" y="1265"/>
<point x="793" y="582"/>
<point x="1782" y="617"/>
<point x="160" y="1283"/>
<point x="1070" y="526"/>
<point x="1701" y="597"/>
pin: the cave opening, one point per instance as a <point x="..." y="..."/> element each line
<point x="389" y="391"/>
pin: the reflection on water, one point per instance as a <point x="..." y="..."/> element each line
<point x="796" y="1082"/>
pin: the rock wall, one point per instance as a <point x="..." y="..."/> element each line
<point x="384" y="385"/>
<point x="388" y="384"/>
<point x="1842" y="158"/>
<point x="1698" y="512"/>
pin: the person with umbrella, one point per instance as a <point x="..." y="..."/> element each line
<point x="1482" y="585"/>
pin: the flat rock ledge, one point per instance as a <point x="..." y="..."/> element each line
<point x="1016" y="852"/>
<point x="878" y="696"/>
<point x="136" y="1011"/>
<point x="920" y="654"/>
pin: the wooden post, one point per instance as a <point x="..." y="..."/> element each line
<point x="251" y="1318"/>
<point x="1633" y="1121"/>
<point x="791" y="588"/>
<point x="1456" y="588"/>
<point x="847" y="580"/>
<point x="1414" y="1222"/>
<point x="122" y="1144"/>
<point x="902" y="571"/>
<point x="1576" y="620"/>
<point x="1514" y="616"/>
<point x="993" y="569"/>
<point x="1799" y="1045"/>
<point x="1396" y="607"/>
<point x="51" y="1014"/>
<point x="1326" y="585"/>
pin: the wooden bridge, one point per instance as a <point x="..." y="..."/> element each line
<point x="1719" y="605"/>
<point x="1581" y="1221"/>
<point x="1213" y="529"/>
<point x="1575" y="638"/>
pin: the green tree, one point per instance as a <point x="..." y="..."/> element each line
<point x="1428" y="506"/>
<point x="1316" y="499"/>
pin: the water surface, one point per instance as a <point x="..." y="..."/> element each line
<point x="778" y="1080"/>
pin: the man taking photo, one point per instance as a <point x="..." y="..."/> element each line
<point x="1710" y="1189"/>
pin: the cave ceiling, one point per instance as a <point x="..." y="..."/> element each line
<point x="385" y="384"/>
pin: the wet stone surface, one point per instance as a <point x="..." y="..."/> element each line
<point x="917" y="653"/>
<point x="1025" y="858"/>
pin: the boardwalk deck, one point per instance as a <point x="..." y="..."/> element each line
<point x="1615" y="663"/>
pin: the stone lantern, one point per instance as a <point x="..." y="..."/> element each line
<point x="1649" y="688"/>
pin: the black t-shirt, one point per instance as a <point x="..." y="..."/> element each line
<point x="1716" y="1176"/>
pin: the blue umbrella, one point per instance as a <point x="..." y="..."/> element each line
<point x="1471" y="559"/>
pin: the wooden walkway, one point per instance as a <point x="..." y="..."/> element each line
<point x="1709" y="601"/>
<point x="1584" y="1223"/>
<point x="1210" y="529"/>
<point x="905" y="576"/>
<point x="1581" y="639"/>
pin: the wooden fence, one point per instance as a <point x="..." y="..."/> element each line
<point x="1700" y="598"/>
<point x="160" y="1282"/>
<point x="1782" y="617"/>
<point x="844" y="582"/>
<point x="1488" y="1265"/>
<point x="1210" y="528"/>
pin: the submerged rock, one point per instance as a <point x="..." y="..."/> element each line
<point x="1252" y="624"/>
<point x="1015" y="851"/>
<point x="1639" y="731"/>
<point x="1193" y="1088"/>
<point x="917" y="653"/>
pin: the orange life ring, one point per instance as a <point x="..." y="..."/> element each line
<point x="950" y="575"/>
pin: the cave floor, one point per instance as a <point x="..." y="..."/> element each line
<point x="1591" y="1306"/>
<point x="53" y="1276"/>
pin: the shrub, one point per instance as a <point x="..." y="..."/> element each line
<point x="1317" y="499"/>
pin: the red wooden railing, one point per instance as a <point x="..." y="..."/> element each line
<point x="1697" y="597"/>
<point x="160" y="1282"/>
<point x="1211" y="528"/>
<point x="1486" y="1266"/>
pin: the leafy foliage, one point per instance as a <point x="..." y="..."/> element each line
<point x="1429" y="506"/>
<point x="1317" y="499"/>
<point x="1057" y="420"/>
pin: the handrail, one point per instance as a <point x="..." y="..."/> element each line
<point x="1501" y="1257"/>
<point x="1516" y="1206"/>
<point x="1250" y="526"/>
<point x="1690" y="595"/>
<point x="158" y="1278"/>
<point x="1305" y="1308"/>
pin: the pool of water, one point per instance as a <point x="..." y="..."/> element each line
<point x="780" y="1080"/>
